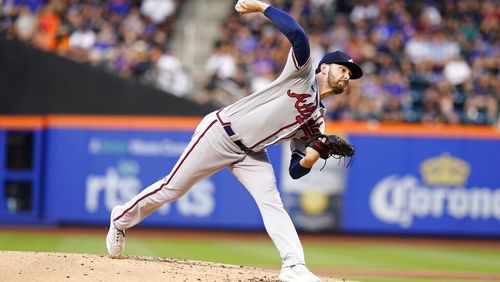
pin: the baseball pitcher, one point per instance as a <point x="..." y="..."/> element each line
<point x="236" y="137"/>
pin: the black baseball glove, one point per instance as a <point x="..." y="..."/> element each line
<point x="332" y="146"/>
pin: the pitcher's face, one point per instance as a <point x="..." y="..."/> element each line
<point x="338" y="78"/>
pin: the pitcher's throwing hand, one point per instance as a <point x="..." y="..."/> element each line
<point x="250" y="6"/>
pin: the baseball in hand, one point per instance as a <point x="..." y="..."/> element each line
<point x="250" y="6"/>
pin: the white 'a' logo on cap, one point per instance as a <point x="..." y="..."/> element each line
<point x="350" y="60"/>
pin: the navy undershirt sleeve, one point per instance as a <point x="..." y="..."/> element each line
<point x="293" y="31"/>
<point x="296" y="170"/>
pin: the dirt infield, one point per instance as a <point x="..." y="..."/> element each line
<point x="40" y="266"/>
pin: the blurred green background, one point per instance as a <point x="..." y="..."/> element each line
<point x="329" y="258"/>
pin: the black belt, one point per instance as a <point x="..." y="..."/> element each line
<point x="231" y="133"/>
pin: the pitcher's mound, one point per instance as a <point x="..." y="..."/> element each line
<point x="39" y="266"/>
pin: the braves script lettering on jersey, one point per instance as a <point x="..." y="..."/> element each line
<point x="310" y="127"/>
<point x="236" y="138"/>
<point x="305" y="109"/>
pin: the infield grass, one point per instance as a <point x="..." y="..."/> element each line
<point x="262" y="253"/>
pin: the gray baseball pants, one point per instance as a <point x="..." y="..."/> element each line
<point x="209" y="151"/>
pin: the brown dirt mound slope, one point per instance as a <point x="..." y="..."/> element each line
<point x="39" y="266"/>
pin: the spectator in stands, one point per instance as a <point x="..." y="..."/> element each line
<point x="105" y="45"/>
<point x="132" y="24"/>
<point x="170" y="74"/>
<point x="222" y="64"/>
<point x="81" y="42"/>
<point x="47" y="28"/>
<point x="158" y="10"/>
<point x="365" y="10"/>
<point x="220" y="70"/>
<point x="25" y="25"/>
<point x="120" y="7"/>
<point x="418" y="48"/>
<point x="431" y="108"/>
<point x="370" y="101"/>
<point x="482" y="104"/>
<point x="442" y="48"/>
<point x="447" y="105"/>
<point x="457" y="71"/>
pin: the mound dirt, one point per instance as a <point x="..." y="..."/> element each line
<point x="40" y="266"/>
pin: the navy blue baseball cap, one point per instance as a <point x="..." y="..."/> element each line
<point x="341" y="58"/>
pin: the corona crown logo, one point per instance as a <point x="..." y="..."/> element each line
<point x="445" y="170"/>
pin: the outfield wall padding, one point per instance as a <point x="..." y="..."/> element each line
<point x="406" y="179"/>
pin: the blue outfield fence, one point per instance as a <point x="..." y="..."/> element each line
<point x="109" y="167"/>
<point x="399" y="183"/>
<point x="448" y="186"/>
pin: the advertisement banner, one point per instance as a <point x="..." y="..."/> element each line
<point x="314" y="201"/>
<point x="88" y="172"/>
<point x="418" y="185"/>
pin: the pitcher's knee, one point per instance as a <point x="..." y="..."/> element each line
<point x="271" y="198"/>
<point x="169" y="194"/>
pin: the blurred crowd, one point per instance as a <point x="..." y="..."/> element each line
<point x="128" y="37"/>
<point x="424" y="61"/>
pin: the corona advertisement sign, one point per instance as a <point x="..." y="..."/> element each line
<point x="425" y="186"/>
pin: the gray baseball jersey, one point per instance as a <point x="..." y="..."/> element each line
<point x="288" y="107"/>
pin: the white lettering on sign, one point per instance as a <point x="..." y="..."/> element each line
<point x="400" y="199"/>
<point x="120" y="183"/>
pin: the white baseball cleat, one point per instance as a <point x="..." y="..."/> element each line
<point x="115" y="240"/>
<point x="297" y="273"/>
